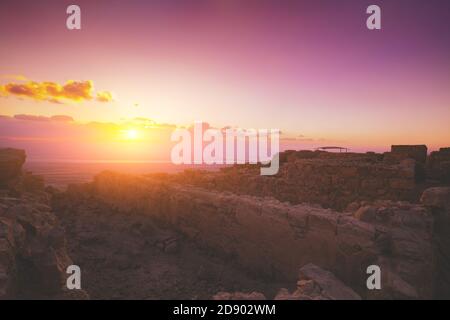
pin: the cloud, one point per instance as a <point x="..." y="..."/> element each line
<point x="62" y="118"/>
<point x="30" y="117"/>
<point x="104" y="96"/>
<point x="53" y="100"/>
<point x="77" y="91"/>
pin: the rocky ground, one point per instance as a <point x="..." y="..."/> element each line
<point x="131" y="257"/>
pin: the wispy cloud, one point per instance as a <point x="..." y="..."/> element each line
<point x="30" y="117"/>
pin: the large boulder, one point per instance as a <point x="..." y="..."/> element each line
<point x="438" y="198"/>
<point x="316" y="283"/>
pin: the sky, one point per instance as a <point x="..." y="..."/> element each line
<point x="309" y="68"/>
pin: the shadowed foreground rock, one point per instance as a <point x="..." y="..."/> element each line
<point x="32" y="247"/>
<point x="33" y="256"/>
<point x="438" y="201"/>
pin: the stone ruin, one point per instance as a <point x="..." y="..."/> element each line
<point x="333" y="180"/>
<point x="438" y="165"/>
<point x="320" y="222"/>
<point x="273" y="239"/>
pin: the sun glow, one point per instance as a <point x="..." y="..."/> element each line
<point x="131" y="134"/>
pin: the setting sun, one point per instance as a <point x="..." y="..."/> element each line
<point x="131" y="134"/>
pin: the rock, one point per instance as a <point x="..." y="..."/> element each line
<point x="332" y="180"/>
<point x="76" y="294"/>
<point x="308" y="287"/>
<point x="239" y="296"/>
<point x="438" y="200"/>
<point x="402" y="184"/>
<point x="366" y="214"/>
<point x="327" y="284"/>
<point x="352" y="207"/>
<point x="284" y="294"/>
<point x="438" y="197"/>
<point x="416" y="152"/>
<point x="171" y="245"/>
<point x="438" y="165"/>
<point x="317" y="284"/>
<point x="399" y="231"/>
<point x="33" y="254"/>
<point x="401" y="289"/>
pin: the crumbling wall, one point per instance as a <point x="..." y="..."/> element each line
<point x="274" y="239"/>
<point x="333" y="182"/>
<point x="401" y="152"/>
<point x="438" y="165"/>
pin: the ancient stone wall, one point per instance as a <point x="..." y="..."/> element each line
<point x="333" y="182"/>
<point x="401" y="152"/>
<point x="438" y="165"/>
<point x="274" y="239"/>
